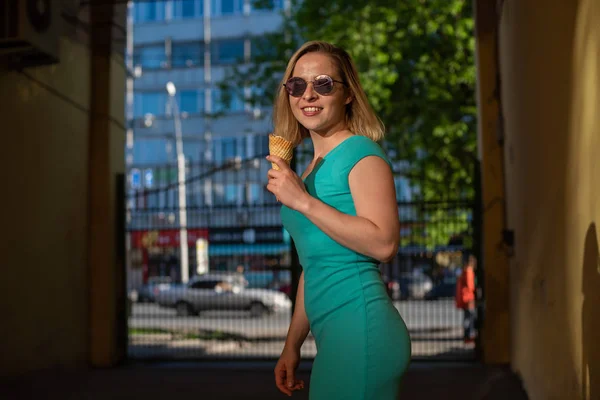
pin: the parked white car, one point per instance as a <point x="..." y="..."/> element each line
<point x="419" y="285"/>
<point x="221" y="292"/>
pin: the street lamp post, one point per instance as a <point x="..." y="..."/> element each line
<point x="183" y="237"/>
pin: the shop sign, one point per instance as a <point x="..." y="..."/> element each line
<point x="165" y="238"/>
<point x="259" y="234"/>
<point x="202" y="256"/>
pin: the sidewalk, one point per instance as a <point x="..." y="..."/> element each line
<point x="249" y="381"/>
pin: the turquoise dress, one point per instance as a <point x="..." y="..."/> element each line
<point x="363" y="346"/>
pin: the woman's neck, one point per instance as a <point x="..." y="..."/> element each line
<point x="323" y="143"/>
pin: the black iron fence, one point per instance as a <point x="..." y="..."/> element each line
<point x="232" y="295"/>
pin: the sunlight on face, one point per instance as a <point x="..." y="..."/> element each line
<point x="319" y="113"/>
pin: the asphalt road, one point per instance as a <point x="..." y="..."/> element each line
<point x="435" y="328"/>
<point x="420" y="316"/>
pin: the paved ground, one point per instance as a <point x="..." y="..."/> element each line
<point x="249" y="381"/>
<point x="171" y="347"/>
<point x="416" y="313"/>
<point x="435" y="328"/>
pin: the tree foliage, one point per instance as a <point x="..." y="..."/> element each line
<point x="416" y="64"/>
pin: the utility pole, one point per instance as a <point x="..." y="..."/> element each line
<point x="183" y="237"/>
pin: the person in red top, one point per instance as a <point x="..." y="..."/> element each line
<point x="465" y="297"/>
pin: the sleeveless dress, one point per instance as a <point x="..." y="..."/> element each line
<point x="363" y="345"/>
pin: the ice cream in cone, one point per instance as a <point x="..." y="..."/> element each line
<point x="280" y="147"/>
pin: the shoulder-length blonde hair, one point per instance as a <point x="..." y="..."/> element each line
<point x="360" y="117"/>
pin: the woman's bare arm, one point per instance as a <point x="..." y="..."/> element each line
<point x="299" y="326"/>
<point x="375" y="230"/>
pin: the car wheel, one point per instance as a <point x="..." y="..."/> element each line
<point x="257" y="310"/>
<point x="184" y="309"/>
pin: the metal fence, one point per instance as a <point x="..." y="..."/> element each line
<point x="233" y="297"/>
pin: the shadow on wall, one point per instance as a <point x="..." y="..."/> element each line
<point x="590" y="317"/>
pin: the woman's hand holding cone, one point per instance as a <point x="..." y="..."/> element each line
<point x="286" y="185"/>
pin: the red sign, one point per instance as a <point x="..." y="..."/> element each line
<point x="165" y="238"/>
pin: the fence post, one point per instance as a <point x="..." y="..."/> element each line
<point x="123" y="300"/>
<point x="478" y="252"/>
<point x="295" y="268"/>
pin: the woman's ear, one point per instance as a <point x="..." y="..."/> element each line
<point x="349" y="97"/>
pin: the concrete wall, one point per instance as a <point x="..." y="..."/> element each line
<point x="46" y="286"/>
<point x="550" y="66"/>
<point x="45" y="158"/>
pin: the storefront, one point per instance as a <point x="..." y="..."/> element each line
<point x="250" y="248"/>
<point x="156" y="253"/>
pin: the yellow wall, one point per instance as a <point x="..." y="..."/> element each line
<point x="44" y="276"/>
<point x="550" y="65"/>
<point x="495" y="332"/>
<point x="45" y="286"/>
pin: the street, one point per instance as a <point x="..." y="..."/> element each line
<point x="156" y="332"/>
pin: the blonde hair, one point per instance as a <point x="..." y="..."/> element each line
<point x="360" y="117"/>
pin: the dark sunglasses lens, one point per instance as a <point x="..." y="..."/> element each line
<point x="323" y="85"/>
<point x="295" y="87"/>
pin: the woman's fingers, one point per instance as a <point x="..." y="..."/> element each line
<point x="281" y="381"/>
<point x="299" y="385"/>
<point x="273" y="173"/>
<point x="291" y="379"/>
<point x="283" y="165"/>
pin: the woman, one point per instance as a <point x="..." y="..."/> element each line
<point x="343" y="217"/>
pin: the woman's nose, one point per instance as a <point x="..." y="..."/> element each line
<point x="309" y="93"/>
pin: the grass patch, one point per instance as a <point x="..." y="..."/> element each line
<point x="147" y="331"/>
<point x="187" y="334"/>
<point x="218" y="335"/>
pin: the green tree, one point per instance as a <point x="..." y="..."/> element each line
<point x="416" y="64"/>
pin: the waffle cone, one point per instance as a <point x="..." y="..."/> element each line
<point x="280" y="147"/>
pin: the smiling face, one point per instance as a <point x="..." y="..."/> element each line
<point x="320" y="113"/>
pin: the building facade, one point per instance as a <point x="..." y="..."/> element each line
<point x="193" y="44"/>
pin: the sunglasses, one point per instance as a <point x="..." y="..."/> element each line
<point x="322" y="84"/>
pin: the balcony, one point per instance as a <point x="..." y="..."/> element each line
<point x="242" y="26"/>
<point x="153" y="79"/>
<point x="221" y="27"/>
<point x="191" y="77"/>
<point x="153" y="32"/>
<point x="192" y="124"/>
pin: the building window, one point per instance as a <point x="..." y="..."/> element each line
<point x="228" y="194"/>
<point x="228" y="51"/>
<point x="150" y="56"/>
<point x="262" y="49"/>
<point x="227" y="7"/>
<point x="208" y="192"/>
<point x="249" y="146"/>
<point x="402" y="188"/>
<point x="227" y="102"/>
<point x="261" y="145"/>
<point x="232" y="193"/>
<point x="229" y="148"/>
<point x="190" y="101"/>
<point x="187" y="9"/>
<point x="187" y="54"/>
<point x="151" y="151"/>
<point x="218" y="194"/>
<point x="270" y="5"/>
<point x="149" y="103"/>
<point x="256" y="100"/>
<point x="149" y="10"/>
<point x="195" y="194"/>
<point x="253" y="193"/>
<point x="191" y="150"/>
<point x="216" y="151"/>
<point x="241" y="147"/>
